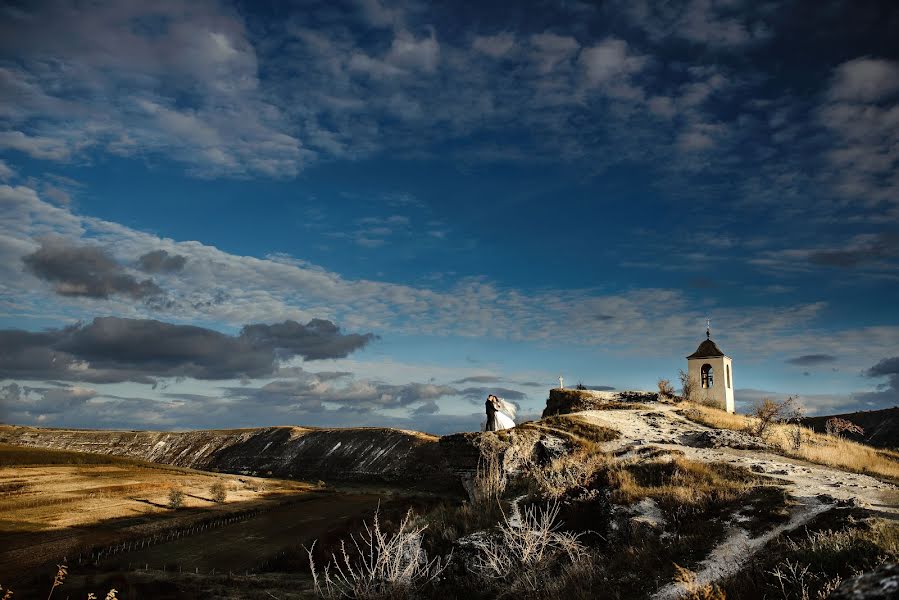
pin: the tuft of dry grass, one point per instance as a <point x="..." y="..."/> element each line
<point x="378" y="564"/>
<point x="567" y="472"/>
<point x="811" y="563"/>
<point x="675" y="482"/>
<point x="694" y="590"/>
<point x="817" y="448"/>
<point x="577" y="430"/>
<point x="522" y="558"/>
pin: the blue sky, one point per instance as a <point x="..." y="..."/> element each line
<point x="221" y="214"/>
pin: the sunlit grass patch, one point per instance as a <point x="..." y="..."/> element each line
<point x="815" y="447"/>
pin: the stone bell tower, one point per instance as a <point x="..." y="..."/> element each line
<point x="711" y="372"/>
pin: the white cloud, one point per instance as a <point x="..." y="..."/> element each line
<point x="865" y="80"/>
<point x="408" y="52"/>
<point x="6" y="172"/>
<point x="865" y="129"/>
<point x="610" y="60"/>
<point x="35" y="146"/>
<point x="495" y="46"/>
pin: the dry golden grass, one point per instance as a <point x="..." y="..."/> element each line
<point x="674" y="481"/>
<point x="817" y="448"/>
<point x="569" y="471"/>
<point x="581" y="432"/>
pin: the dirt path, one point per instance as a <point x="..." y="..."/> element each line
<point x="659" y="425"/>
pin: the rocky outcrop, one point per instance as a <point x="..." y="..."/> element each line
<point x="880" y="584"/>
<point x="357" y="454"/>
<point x="513" y="449"/>
<point x="564" y="401"/>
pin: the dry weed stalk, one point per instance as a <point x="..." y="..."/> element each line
<point x="378" y="564"/>
<point x="521" y="552"/>
<point x="489" y="482"/>
<point x="60" y="578"/>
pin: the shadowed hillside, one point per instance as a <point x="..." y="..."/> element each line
<point x="358" y="454"/>
<point x="881" y="426"/>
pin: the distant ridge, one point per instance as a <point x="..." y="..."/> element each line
<point x="881" y="426"/>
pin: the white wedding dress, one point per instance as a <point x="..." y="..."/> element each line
<point x="503" y="420"/>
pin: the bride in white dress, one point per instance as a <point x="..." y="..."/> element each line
<point x="499" y="414"/>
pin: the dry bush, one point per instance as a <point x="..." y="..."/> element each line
<point x="836" y="427"/>
<point x="768" y="412"/>
<point x="218" y="492"/>
<point x="377" y="564"/>
<point x="523" y="557"/>
<point x="569" y="471"/>
<point x="817" y="448"/>
<point x="687" y="385"/>
<point x="176" y="498"/>
<point x="666" y="390"/>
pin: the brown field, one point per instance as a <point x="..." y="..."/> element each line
<point x="58" y="504"/>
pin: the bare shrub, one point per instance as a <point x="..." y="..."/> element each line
<point x="666" y="390"/>
<point x="523" y="556"/>
<point x="218" y="492"/>
<point x="768" y="412"/>
<point x="176" y="498"/>
<point x="377" y="564"/>
<point x="687" y="385"/>
<point x="836" y="427"/>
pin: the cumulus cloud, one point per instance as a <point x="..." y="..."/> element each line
<point x="318" y="339"/>
<point x="862" y="115"/>
<point x="6" y="171"/>
<point x="81" y="270"/>
<point x="865" y="80"/>
<point x="717" y="24"/>
<point x="113" y="349"/>
<point x="160" y="261"/>
<point x="115" y="91"/>
<point x="610" y="60"/>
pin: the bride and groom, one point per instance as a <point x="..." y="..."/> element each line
<point x="499" y="414"/>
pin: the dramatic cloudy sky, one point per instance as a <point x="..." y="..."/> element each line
<point x="371" y="213"/>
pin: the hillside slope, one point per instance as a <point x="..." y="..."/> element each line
<point x="814" y="489"/>
<point x="358" y="454"/>
<point x="881" y="426"/>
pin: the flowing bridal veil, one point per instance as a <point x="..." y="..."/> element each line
<point x="500" y="414"/>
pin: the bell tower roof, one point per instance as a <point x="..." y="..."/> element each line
<point x="707" y="349"/>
